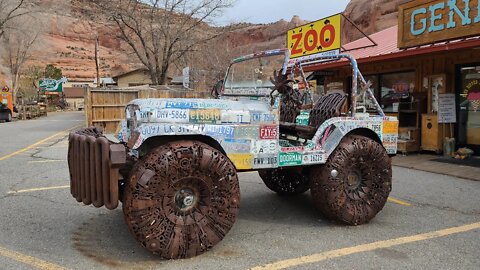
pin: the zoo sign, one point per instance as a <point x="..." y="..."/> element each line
<point x="424" y="22"/>
<point x="315" y="38"/>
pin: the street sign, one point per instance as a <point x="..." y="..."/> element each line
<point x="51" y="85"/>
<point x="315" y="38"/>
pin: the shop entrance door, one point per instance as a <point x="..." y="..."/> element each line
<point x="468" y="97"/>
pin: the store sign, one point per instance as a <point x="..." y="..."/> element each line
<point x="315" y="38"/>
<point x="424" y="22"/>
<point x="51" y="85"/>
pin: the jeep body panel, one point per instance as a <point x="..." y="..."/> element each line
<point x="246" y="129"/>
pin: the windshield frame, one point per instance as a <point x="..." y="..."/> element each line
<point x="292" y="64"/>
<point x="261" y="54"/>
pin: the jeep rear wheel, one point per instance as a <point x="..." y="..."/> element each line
<point x="182" y="199"/>
<point x="285" y="181"/>
<point x="353" y="186"/>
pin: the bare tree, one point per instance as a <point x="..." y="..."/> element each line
<point x="11" y="9"/>
<point x="161" y="32"/>
<point x="17" y="44"/>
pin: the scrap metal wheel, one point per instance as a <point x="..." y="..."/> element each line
<point x="182" y="199"/>
<point x="285" y="181"/>
<point x="353" y="186"/>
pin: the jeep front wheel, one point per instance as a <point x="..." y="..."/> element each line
<point x="354" y="184"/>
<point x="182" y="199"/>
<point x="285" y="181"/>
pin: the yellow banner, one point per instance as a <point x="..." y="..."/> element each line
<point x="315" y="37"/>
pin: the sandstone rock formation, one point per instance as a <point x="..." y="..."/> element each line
<point x="69" y="42"/>
<point x="370" y="16"/>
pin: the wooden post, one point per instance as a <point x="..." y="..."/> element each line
<point x="87" y="106"/>
<point x="97" y="61"/>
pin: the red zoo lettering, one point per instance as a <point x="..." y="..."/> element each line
<point x="312" y="40"/>
<point x="297" y="38"/>
<point x="323" y="41"/>
<point x="306" y="41"/>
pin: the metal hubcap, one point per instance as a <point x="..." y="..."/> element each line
<point x="185" y="199"/>
<point x="354" y="180"/>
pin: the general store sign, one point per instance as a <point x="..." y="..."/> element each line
<point x="423" y="22"/>
<point x="312" y="39"/>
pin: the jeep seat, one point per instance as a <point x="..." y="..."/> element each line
<point x="328" y="106"/>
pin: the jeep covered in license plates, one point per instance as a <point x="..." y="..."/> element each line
<point x="175" y="167"/>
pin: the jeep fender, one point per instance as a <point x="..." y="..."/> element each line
<point x="383" y="130"/>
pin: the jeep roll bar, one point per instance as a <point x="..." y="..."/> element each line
<point x="291" y="64"/>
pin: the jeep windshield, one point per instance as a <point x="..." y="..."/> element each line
<point x="250" y="75"/>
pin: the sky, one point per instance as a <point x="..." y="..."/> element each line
<point x="267" y="11"/>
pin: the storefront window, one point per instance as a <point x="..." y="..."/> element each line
<point x="394" y="88"/>
<point x="469" y="101"/>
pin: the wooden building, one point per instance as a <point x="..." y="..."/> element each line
<point x="137" y="77"/>
<point x="433" y="89"/>
<point x="75" y="97"/>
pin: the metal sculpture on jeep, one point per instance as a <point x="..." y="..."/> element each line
<point x="176" y="163"/>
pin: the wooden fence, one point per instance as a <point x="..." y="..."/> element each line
<point x="105" y="108"/>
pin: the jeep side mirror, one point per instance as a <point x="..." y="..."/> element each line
<point x="217" y="89"/>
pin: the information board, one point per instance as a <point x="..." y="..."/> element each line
<point x="446" y="108"/>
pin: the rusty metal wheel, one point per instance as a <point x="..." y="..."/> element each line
<point x="353" y="186"/>
<point x="285" y="181"/>
<point x="182" y="199"/>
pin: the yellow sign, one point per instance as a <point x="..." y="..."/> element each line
<point x="242" y="161"/>
<point x="205" y="116"/>
<point x="390" y="127"/>
<point x="315" y="38"/>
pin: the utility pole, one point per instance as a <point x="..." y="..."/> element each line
<point x="97" y="61"/>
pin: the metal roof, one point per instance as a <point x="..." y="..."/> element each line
<point x="386" y="43"/>
<point x="387" y="48"/>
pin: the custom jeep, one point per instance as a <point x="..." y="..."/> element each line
<point x="175" y="166"/>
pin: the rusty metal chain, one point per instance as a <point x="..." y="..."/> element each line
<point x="90" y="131"/>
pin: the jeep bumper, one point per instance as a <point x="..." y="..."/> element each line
<point x="94" y="164"/>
